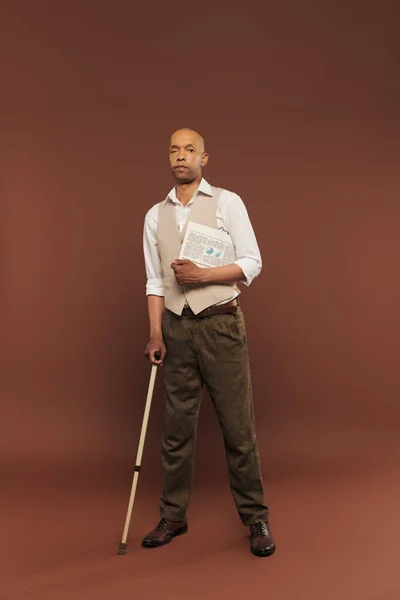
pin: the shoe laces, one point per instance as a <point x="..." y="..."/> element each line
<point x="259" y="529"/>
<point x="163" y="524"/>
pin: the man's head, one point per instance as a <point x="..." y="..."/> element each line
<point x="187" y="155"/>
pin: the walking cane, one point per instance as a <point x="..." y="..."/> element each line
<point x="123" y="545"/>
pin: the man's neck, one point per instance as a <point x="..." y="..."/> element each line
<point x="185" y="191"/>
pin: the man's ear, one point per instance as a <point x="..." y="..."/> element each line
<point x="204" y="160"/>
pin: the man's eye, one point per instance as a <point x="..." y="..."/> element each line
<point x="191" y="150"/>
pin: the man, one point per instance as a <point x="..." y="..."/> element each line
<point x="197" y="324"/>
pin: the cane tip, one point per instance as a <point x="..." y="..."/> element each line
<point x="122" y="548"/>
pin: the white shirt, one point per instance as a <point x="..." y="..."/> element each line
<point x="232" y="217"/>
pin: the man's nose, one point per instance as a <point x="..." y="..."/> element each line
<point x="180" y="158"/>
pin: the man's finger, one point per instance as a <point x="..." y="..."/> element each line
<point x="158" y="361"/>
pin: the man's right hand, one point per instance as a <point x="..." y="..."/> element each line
<point x="152" y="347"/>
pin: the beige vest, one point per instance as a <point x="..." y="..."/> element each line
<point x="169" y="239"/>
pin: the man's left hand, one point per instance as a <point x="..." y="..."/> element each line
<point x="186" y="272"/>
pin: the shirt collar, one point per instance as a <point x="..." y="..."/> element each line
<point x="204" y="188"/>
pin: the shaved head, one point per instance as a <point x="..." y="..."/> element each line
<point x="189" y="134"/>
<point x="187" y="155"/>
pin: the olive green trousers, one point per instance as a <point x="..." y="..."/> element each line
<point x="209" y="352"/>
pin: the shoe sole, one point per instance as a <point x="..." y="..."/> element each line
<point x="176" y="533"/>
<point x="261" y="553"/>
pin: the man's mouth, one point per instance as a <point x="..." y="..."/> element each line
<point x="180" y="167"/>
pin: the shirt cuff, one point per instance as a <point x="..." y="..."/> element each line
<point x="155" y="287"/>
<point x="251" y="268"/>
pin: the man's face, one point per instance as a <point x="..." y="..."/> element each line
<point x="187" y="156"/>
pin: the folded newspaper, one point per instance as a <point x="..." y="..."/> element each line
<point x="206" y="246"/>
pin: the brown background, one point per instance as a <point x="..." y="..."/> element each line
<point x="299" y="105"/>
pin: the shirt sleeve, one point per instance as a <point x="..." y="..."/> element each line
<point x="239" y="227"/>
<point x="154" y="284"/>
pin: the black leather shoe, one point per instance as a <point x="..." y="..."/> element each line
<point x="164" y="532"/>
<point x="261" y="540"/>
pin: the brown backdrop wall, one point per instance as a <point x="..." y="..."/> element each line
<point x="299" y="105"/>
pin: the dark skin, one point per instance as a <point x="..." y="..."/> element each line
<point x="187" y="158"/>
